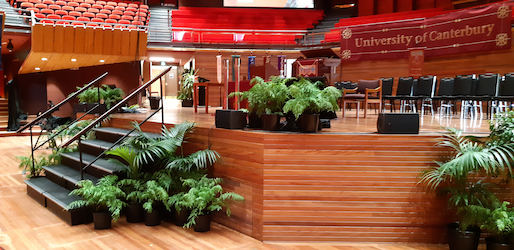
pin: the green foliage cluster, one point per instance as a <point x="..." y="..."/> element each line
<point x="186" y="84"/>
<point x="108" y="96"/>
<point x="265" y="97"/>
<point x="102" y="197"/>
<point x="307" y="98"/>
<point x="467" y="176"/>
<point x="502" y="129"/>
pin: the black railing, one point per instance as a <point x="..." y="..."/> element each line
<point x="48" y="113"/>
<point x="109" y="112"/>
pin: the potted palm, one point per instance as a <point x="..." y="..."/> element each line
<point x="105" y="200"/>
<point x="307" y="101"/>
<point x="461" y="177"/>
<point x="204" y="197"/>
<point x="266" y="99"/>
<point x="186" y="87"/>
<point x="151" y="195"/>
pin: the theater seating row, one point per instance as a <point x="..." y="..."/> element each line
<point x="87" y="12"/>
<point x="256" y="26"/>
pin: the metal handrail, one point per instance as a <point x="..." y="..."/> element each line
<point x="117" y="106"/>
<point x="54" y="108"/>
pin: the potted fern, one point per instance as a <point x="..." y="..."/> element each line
<point x="151" y="195"/>
<point x="307" y="101"/>
<point x="105" y="200"/>
<point x="266" y="99"/>
<point x="89" y="98"/>
<point x="204" y="197"/>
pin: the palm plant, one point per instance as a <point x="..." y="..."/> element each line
<point x="307" y="98"/>
<point x="104" y="196"/>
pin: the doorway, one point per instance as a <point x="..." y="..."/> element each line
<point x="170" y="87"/>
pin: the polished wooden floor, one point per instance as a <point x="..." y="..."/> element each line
<point x="25" y="224"/>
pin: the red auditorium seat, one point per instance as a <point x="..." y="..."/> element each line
<point x="117" y="12"/>
<point x="73" y="4"/>
<point x="62" y="22"/>
<point x="124" y="22"/>
<point x="106" y="26"/>
<point x="88" y="14"/>
<point x="93" y="10"/>
<point x="47" y="11"/>
<point x="139" y="18"/>
<point x="85" y="5"/>
<point x="141" y="14"/>
<point x="101" y="15"/>
<point x="143" y="6"/>
<point x="131" y="9"/>
<point x="48" y="2"/>
<point x="129" y="13"/>
<point x="108" y="7"/>
<point x="97" y="20"/>
<point x="75" y="13"/>
<point x="104" y="11"/>
<point x="133" y="5"/>
<point x="101" y="2"/>
<point x="83" y="19"/>
<point x="36" y="10"/>
<point x="68" y="8"/>
<point x="97" y="6"/>
<point x="142" y="10"/>
<point x="39" y="15"/>
<point x="137" y="23"/>
<point x="40" y="6"/>
<point x="90" y="1"/>
<point x="53" y="16"/>
<point x="61" y="3"/>
<point x="75" y="24"/>
<point x="131" y="27"/>
<point x="27" y="5"/>
<point x="122" y="5"/>
<point x="80" y="9"/>
<point x="54" y="7"/>
<point x="47" y="21"/>
<point x="92" y="24"/>
<point x="110" y="21"/>
<point x="119" y="8"/>
<point x="61" y="12"/>
<point x="35" y="1"/>
<point x="78" y="1"/>
<point x="69" y="18"/>
<point x="117" y="17"/>
<point x="119" y="26"/>
<point x="111" y="4"/>
<point x="127" y="18"/>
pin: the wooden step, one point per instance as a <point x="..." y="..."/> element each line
<point x="98" y="169"/>
<point x="65" y="176"/>
<point x="57" y="199"/>
<point x="113" y="134"/>
<point x="95" y="147"/>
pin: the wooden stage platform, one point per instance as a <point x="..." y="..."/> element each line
<point x="345" y="184"/>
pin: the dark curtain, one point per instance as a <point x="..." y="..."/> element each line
<point x="15" y="113"/>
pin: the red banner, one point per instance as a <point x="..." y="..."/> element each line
<point x="482" y="29"/>
<point x="307" y="68"/>
<point x="416" y="61"/>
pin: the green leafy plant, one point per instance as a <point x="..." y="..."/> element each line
<point x="265" y="97"/>
<point x="307" y="98"/>
<point x="502" y="129"/>
<point x="498" y="220"/>
<point x="204" y="196"/>
<point x="149" y="194"/>
<point x="108" y="96"/>
<point x="102" y="197"/>
<point x="186" y="84"/>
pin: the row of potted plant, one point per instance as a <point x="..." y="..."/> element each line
<point x="302" y="100"/>
<point x="469" y="177"/>
<point x="159" y="180"/>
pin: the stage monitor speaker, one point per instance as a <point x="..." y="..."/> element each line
<point x="231" y="119"/>
<point x="398" y="123"/>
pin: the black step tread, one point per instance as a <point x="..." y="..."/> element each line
<point x="101" y="163"/>
<point x="98" y="144"/>
<point x="121" y="131"/>
<point x="69" y="174"/>
<point x="52" y="191"/>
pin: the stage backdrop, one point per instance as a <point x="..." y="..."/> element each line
<point x="482" y="29"/>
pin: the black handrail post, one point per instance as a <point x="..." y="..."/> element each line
<point x="80" y="158"/>
<point x="98" y="91"/>
<point x="162" y="105"/>
<point x="33" y="169"/>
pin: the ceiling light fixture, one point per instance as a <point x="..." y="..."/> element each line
<point x="44" y="59"/>
<point x="102" y="61"/>
<point x="73" y="59"/>
<point x="37" y="68"/>
<point x="10" y="46"/>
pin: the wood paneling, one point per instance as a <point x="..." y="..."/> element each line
<point x="325" y="187"/>
<point x="404" y="5"/>
<point x="385" y="6"/>
<point x="87" y="45"/>
<point x="366" y="7"/>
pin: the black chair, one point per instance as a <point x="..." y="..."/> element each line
<point x="463" y="92"/>
<point x="505" y="94"/>
<point x="445" y="96"/>
<point x="387" y="93"/>
<point x="404" y="93"/>
<point x="486" y="90"/>
<point x="424" y="91"/>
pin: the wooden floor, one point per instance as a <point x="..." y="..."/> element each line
<point x="25" y="224"/>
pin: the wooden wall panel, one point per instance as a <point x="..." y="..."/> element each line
<point x="69" y="37"/>
<point x="325" y="186"/>
<point x="385" y="6"/>
<point x="79" y="41"/>
<point x="366" y="7"/>
<point x="404" y="5"/>
<point x="425" y="4"/>
<point x="59" y="39"/>
<point x="48" y="40"/>
<point x="445" y="4"/>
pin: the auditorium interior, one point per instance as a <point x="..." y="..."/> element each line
<point x="291" y="124"/>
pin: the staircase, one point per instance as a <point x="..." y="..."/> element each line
<point x="159" y="25"/>
<point x="52" y="191"/>
<point x="14" y="22"/>
<point x="332" y="17"/>
<point x="4" y="113"/>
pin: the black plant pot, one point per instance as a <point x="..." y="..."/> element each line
<point x="458" y="240"/>
<point x="187" y="103"/>
<point x="102" y="220"/>
<point x="203" y="223"/>
<point x="308" y="123"/>
<point x="167" y="215"/>
<point x="181" y="217"/>
<point x="270" y="122"/>
<point x="493" y="244"/>
<point x="254" y="121"/>
<point x="153" y="218"/>
<point x="134" y="212"/>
